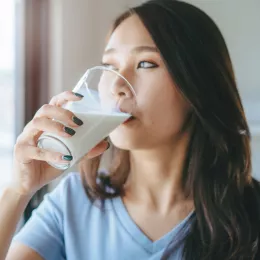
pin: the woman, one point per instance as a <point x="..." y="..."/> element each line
<point x="180" y="184"/>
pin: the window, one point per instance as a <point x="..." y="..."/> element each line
<point x="7" y="117"/>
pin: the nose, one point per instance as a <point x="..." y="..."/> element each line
<point x="121" y="87"/>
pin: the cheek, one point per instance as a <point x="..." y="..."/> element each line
<point x="164" y="110"/>
<point x="165" y="120"/>
<point x="159" y="122"/>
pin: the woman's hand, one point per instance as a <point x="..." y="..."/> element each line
<point x="31" y="170"/>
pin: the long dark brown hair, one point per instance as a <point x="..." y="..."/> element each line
<point x="218" y="163"/>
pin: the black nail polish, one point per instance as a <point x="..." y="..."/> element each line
<point x="108" y="145"/>
<point x="77" y="121"/>
<point x="67" y="157"/>
<point x="78" y="95"/>
<point x="69" y="131"/>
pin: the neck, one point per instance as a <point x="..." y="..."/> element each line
<point x="156" y="175"/>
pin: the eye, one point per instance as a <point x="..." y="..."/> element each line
<point x="108" y="66"/>
<point x="146" y="65"/>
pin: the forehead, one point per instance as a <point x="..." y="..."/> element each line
<point x="131" y="32"/>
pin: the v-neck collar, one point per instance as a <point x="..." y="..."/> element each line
<point x="137" y="234"/>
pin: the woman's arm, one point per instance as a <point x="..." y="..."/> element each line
<point x="22" y="252"/>
<point x="12" y="206"/>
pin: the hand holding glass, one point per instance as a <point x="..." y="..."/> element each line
<point x="109" y="99"/>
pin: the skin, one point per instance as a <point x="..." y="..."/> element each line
<point x="31" y="172"/>
<point x="155" y="138"/>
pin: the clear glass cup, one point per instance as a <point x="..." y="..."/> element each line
<point x="109" y="99"/>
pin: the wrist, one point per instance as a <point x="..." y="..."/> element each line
<point x="13" y="203"/>
<point x="16" y="190"/>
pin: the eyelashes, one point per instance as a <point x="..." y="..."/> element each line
<point x="141" y="65"/>
<point x="147" y="65"/>
<point x="109" y="66"/>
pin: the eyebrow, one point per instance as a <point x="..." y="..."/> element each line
<point x="137" y="49"/>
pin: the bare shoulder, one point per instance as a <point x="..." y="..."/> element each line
<point x="22" y="252"/>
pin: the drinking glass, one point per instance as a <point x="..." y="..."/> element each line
<point x="109" y="99"/>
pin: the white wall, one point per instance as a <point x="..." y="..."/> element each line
<point x="79" y="29"/>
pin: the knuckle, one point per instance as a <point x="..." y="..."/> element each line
<point x="19" y="151"/>
<point x="45" y="107"/>
<point x="55" y="157"/>
<point x="53" y="100"/>
<point x="67" y="92"/>
<point x="27" y="126"/>
<point x="69" y="114"/>
<point x="59" y="126"/>
<point x="18" y="140"/>
<point x="17" y="148"/>
<point x="39" y="153"/>
<point x="35" y="121"/>
<point x="50" y="156"/>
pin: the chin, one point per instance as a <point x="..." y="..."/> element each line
<point x="125" y="140"/>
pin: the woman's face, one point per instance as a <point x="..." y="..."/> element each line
<point x="160" y="111"/>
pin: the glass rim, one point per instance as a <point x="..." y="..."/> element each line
<point x="85" y="75"/>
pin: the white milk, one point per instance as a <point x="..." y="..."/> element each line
<point x="97" y="125"/>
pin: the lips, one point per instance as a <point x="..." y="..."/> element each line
<point x="127" y="112"/>
<point x="131" y="118"/>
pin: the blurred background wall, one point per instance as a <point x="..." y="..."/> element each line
<point x="77" y="37"/>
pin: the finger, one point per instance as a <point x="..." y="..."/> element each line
<point x="98" y="149"/>
<point x="44" y="124"/>
<point x="64" y="97"/>
<point x="29" y="137"/>
<point x="25" y="154"/>
<point x="60" y="114"/>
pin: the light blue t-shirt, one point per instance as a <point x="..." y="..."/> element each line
<point x="67" y="226"/>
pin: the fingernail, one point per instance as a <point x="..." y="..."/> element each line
<point x="69" y="131"/>
<point x="67" y="157"/>
<point x="108" y="145"/>
<point x="77" y="121"/>
<point x="78" y="95"/>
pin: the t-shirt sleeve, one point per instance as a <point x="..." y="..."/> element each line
<point x="43" y="232"/>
